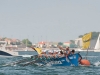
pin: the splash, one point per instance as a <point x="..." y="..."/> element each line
<point x="97" y="63"/>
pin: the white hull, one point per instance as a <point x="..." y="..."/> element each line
<point x="8" y="53"/>
<point x="97" y="50"/>
<point x="7" y="56"/>
<point x="4" y="52"/>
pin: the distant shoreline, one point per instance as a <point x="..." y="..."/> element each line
<point x="76" y="49"/>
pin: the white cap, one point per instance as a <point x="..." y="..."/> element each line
<point x="56" y="51"/>
<point x="51" y="51"/>
<point x="44" y="50"/>
<point x="59" y="53"/>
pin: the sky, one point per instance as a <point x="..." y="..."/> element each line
<point x="48" y="20"/>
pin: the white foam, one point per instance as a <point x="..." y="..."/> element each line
<point x="26" y="55"/>
<point x="97" y="63"/>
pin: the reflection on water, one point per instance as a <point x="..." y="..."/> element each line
<point x="14" y="69"/>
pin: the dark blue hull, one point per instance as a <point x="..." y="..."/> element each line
<point x="71" y="60"/>
<point x="4" y="53"/>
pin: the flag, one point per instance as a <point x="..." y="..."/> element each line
<point x="38" y="50"/>
<point x="86" y="40"/>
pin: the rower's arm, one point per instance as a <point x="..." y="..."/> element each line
<point x="68" y="53"/>
<point x="33" y="48"/>
<point x="64" y="49"/>
<point x="61" y="48"/>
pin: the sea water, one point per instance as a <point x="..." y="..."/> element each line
<point x="13" y="69"/>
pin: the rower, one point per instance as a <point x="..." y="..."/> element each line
<point x="50" y="53"/>
<point x="67" y="51"/>
<point x="73" y="51"/>
<point x="44" y="53"/>
<point x="55" y="54"/>
<point x="61" y="54"/>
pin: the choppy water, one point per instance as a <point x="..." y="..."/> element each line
<point x="48" y="70"/>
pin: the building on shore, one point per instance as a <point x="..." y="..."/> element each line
<point x="79" y="42"/>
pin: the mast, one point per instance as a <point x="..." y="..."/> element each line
<point x="26" y="45"/>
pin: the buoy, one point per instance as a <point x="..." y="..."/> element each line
<point x="85" y="62"/>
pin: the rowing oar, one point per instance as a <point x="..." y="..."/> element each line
<point x="21" y="61"/>
<point x="25" y="60"/>
<point x="32" y="57"/>
<point x="38" y="60"/>
<point x="29" y="63"/>
<point x="43" y="60"/>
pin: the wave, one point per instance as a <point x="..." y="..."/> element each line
<point x="90" y="56"/>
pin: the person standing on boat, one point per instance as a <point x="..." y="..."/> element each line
<point x="80" y="57"/>
<point x="73" y="51"/>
